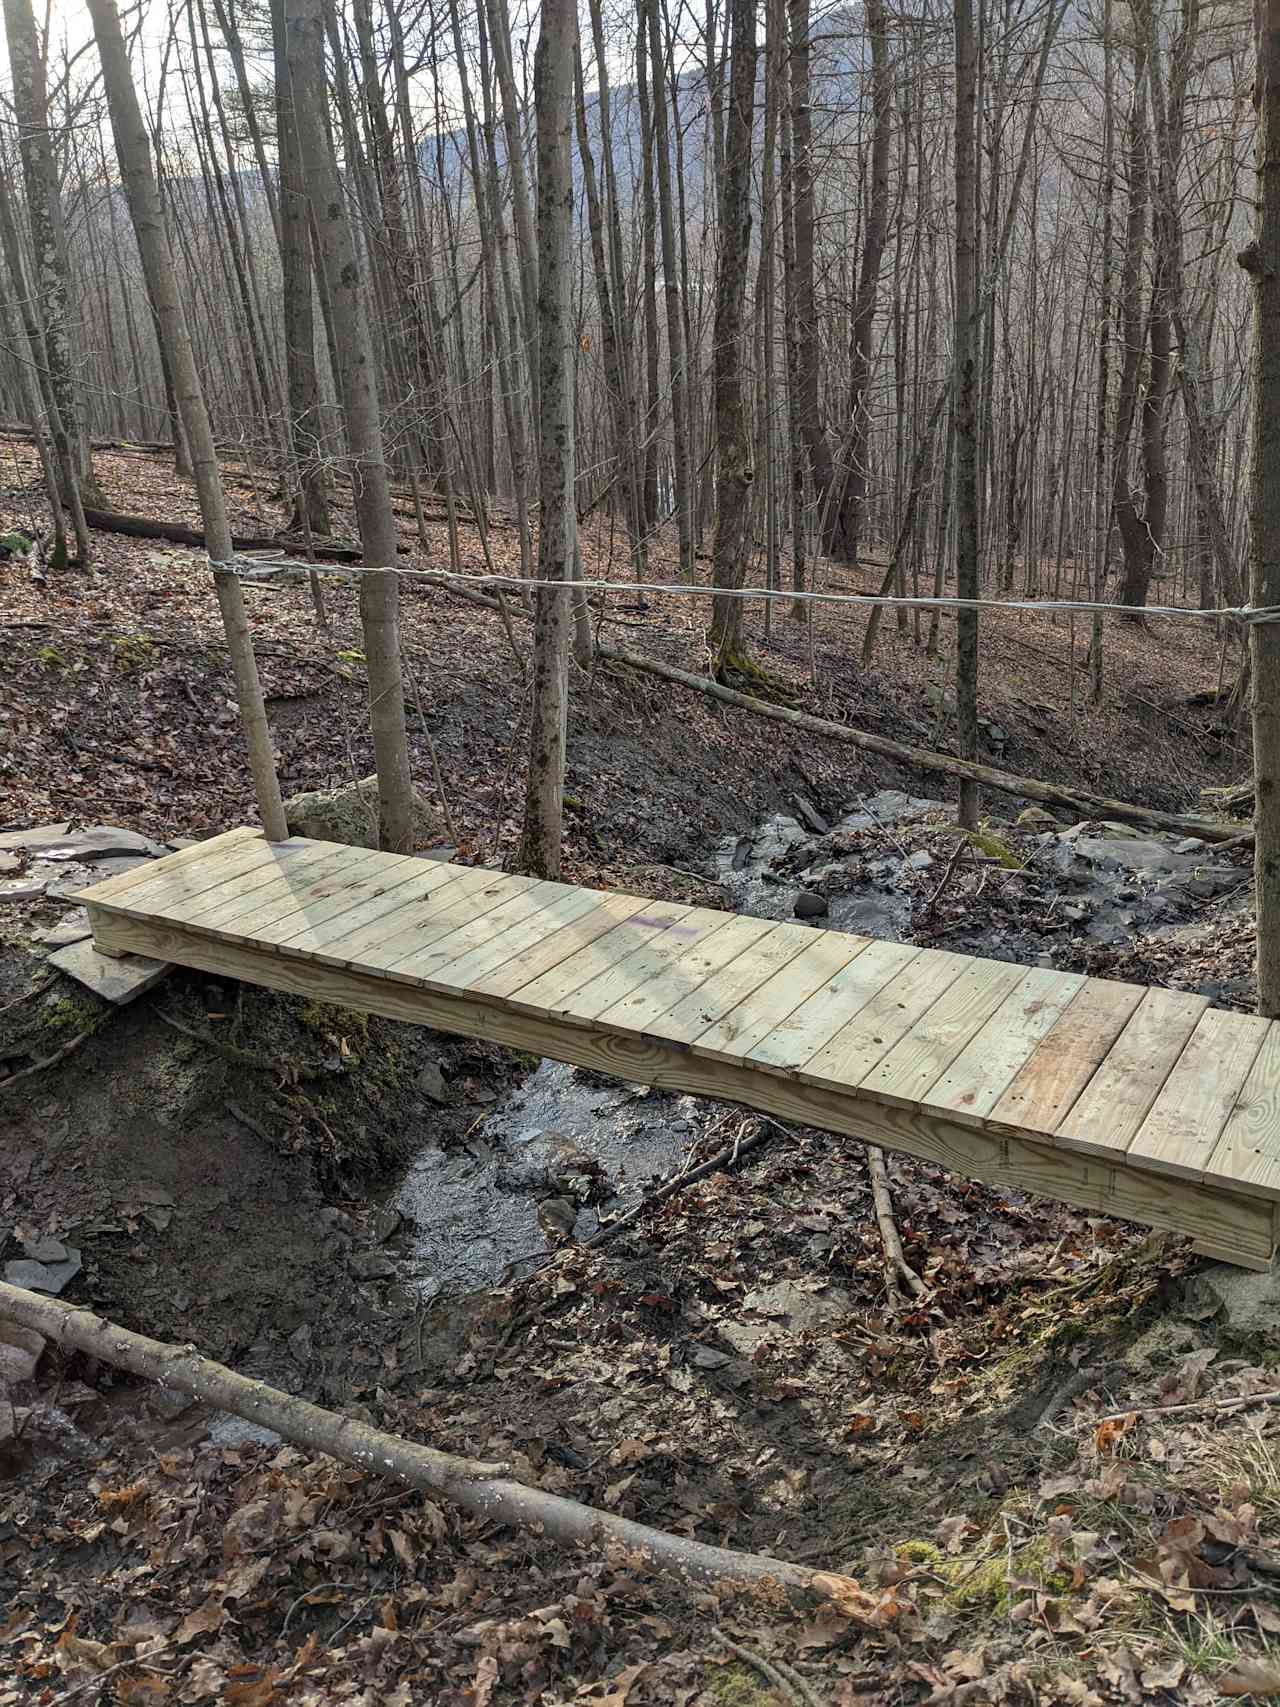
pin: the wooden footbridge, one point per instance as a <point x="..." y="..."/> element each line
<point x="1146" y="1104"/>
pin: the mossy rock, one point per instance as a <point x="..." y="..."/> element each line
<point x="737" y="1685"/>
<point x="350" y="815"/>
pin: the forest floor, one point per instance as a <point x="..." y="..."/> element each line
<point x="729" y="1368"/>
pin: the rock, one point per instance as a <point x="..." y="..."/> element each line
<point x="1035" y="815"/>
<point x="1189" y="845"/>
<point x="71" y="927"/>
<point x="43" y="1277"/>
<point x="22" y="889"/>
<point x="431" y="1082"/>
<point x="386" y="1224"/>
<point x="810" y="815"/>
<point x="557" y="1217"/>
<point x="96" y="841"/>
<point x="44" y="1250"/>
<point x="350" y="815"/>
<point x="371" y="1265"/>
<point x="9" y="863"/>
<point x="299" y="1342"/>
<point x="20" y="1350"/>
<point x="810" y="906"/>
<point x="707" y="1357"/>
<point x="920" y="860"/>
<point x="797" y="1307"/>
<point x="1245" y="1306"/>
<point x="115" y="980"/>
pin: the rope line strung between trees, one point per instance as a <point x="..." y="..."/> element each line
<point x="249" y="567"/>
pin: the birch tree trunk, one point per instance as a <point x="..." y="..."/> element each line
<point x="358" y="385"/>
<point x="553" y="101"/>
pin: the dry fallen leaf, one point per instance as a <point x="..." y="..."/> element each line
<point x="1251" y="1677"/>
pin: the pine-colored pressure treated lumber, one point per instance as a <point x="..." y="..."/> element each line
<point x="1062" y="1065"/>
<point x="1146" y="1105"/>
<point x="1187" y="1118"/>
<point x="197" y="854"/>
<point x="812" y="1025"/>
<point x="1113" y="1105"/>
<point x="644" y="1006"/>
<point x="974" y="1082"/>
<point x="1249" y="1148"/>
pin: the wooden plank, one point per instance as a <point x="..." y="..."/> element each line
<point x="878" y="1024"/>
<point x="467" y="970"/>
<point x="642" y="1007"/>
<point x="974" y="1082"/>
<point x="565" y="944"/>
<point x="1248" y="1152"/>
<point x="112" y="887"/>
<point x="407" y="929"/>
<point x="1060" y="1068"/>
<point x="1113" y="1105"/>
<point x="331" y="898"/>
<point x="259" y="897"/>
<point x="404" y="880"/>
<point x="173" y="888"/>
<point x="650" y="960"/>
<point x="557" y="983"/>
<point x="799" y="1036"/>
<point x="942" y="1031"/>
<point x="1217" y="1218"/>
<point x="735" y="1034"/>
<point x="432" y="964"/>
<point x="1188" y="1117"/>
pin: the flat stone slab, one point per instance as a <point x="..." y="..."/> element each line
<point x="117" y="981"/>
<point x="59" y="841"/>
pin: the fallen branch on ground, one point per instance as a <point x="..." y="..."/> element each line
<point x="1270" y="1397"/>
<point x="722" y="1158"/>
<point x="1024" y="787"/>
<point x="897" y="1268"/>
<point x="481" y="1489"/>
<point x="177" y="533"/>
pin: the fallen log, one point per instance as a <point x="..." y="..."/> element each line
<point x="177" y="533"/>
<point x="476" y="1487"/>
<point x="1024" y="787"/>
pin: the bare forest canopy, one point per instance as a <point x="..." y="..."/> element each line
<point x="1114" y="186"/>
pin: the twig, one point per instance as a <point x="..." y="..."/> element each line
<point x="228" y="1051"/>
<point x="254" y="1126"/>
<point x="1270" y="1397"/>
<point x="35" y="990"/>
<point x="140" y="1661"/>
<point x="960" y="849"/>
<point x="729" y="1155"/>
<point x="52" y="1060"/>
<point x="796" y="1691"/>
<point x="896" y="1265"/>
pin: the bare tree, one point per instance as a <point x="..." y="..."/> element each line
<point x="557" y="536"/>
<point x="358" y="383"/>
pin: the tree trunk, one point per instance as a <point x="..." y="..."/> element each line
<point x="297" y="301"/>
<point x="845" y="511"/>
<point x="133" y="151"/>
<point x="358" y="385"/>
<point x="1262" y="260"/>
<point x="734" y="473"/>
<point x="553" y="100"/>
<point x="968" y="581"/>
<point x="48" y="230"/>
